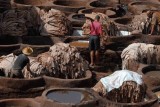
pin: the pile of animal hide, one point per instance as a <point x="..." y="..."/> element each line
<point x="139" y="53"/>
<point x="54" y="22"/>
<point x="21" y="22"/>
<point x="108" y="26"/>
<point x="37" y="69"/>
<point x="141" y="23"/>
<point x="67" y="61"/>
<point x="13" y="22"/>
<point x="122" y="86"/>
<point x="6" y="64"/>
<point x="62" y="61"/>
<point x="129" y="92"/>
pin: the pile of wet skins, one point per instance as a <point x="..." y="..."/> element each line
<point x="20" y="22"/>
<point x="62" y="61"/>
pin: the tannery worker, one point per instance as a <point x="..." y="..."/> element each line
<point x="94" y="40"/>
<point x="21" y="61"/>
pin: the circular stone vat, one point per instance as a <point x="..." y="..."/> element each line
<point x="9" y="40"/>
<point x="19" y="103"/>
<point x="150" y="101"/>
<point x="37" y="40"/>
<point x="77" y="20"/>
<point x="72" y="3"/>
<point x="108" y="11"/>
<point x="151" y="75"/>
<point x="21" y="88"/>
<point x="70" y="97"/>
<point x="138" y="7"/>
<point x="58" y="82"/>
<point x="25" y="3"/>
<point x="123" y="21"/>
<point x="7" y="49"/>
<point x="69" y="5"/>
<point x="9" y="44"/>
<point x="98" y="4"/>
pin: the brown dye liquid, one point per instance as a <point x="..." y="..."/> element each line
<point x="73" y="97"/>
<point x="79" y="44"/>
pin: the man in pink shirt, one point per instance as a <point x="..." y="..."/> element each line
<point x="94" y="40"/>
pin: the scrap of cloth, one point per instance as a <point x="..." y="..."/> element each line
<point x="116" y="79"/>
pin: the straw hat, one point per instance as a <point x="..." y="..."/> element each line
<point x="27" y="50"/>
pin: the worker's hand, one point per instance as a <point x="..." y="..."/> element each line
<point x="150" y="34"/>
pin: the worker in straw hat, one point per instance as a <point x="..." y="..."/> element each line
<point x="21" y="61"/>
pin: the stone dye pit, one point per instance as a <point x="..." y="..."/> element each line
<point x="108" y="11"/>
<point x="72" y="97"/>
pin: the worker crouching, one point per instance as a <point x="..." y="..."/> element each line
<point x="21" y="61"/>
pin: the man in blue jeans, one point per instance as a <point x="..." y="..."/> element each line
<point x="94" y="40"/>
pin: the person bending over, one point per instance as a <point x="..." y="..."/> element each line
<point x="21" y="61"/>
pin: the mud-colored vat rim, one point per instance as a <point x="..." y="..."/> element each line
<point x="88" y="75"/>
<point x="21" y="101"/>
<point x="129" y="18"/>
<point x="93" y="1"/>
<point x="136" y="11"/>
<point x="71" y="17"/>
<point x="21" y="84"/>
<point x="72" y="9"/>
<point x="58" y="82"/>
<point x="13" y="3"/>
<point x="80" y="7"/>
<point x="92" y="8"/>
<point x="142" y="2"/>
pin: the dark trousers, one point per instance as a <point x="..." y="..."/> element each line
<point x="16" y="74"/>
<point x="94" y="43"/>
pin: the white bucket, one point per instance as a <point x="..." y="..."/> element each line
<point x="77" y="33"/>
<point x="124" y="33"/>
